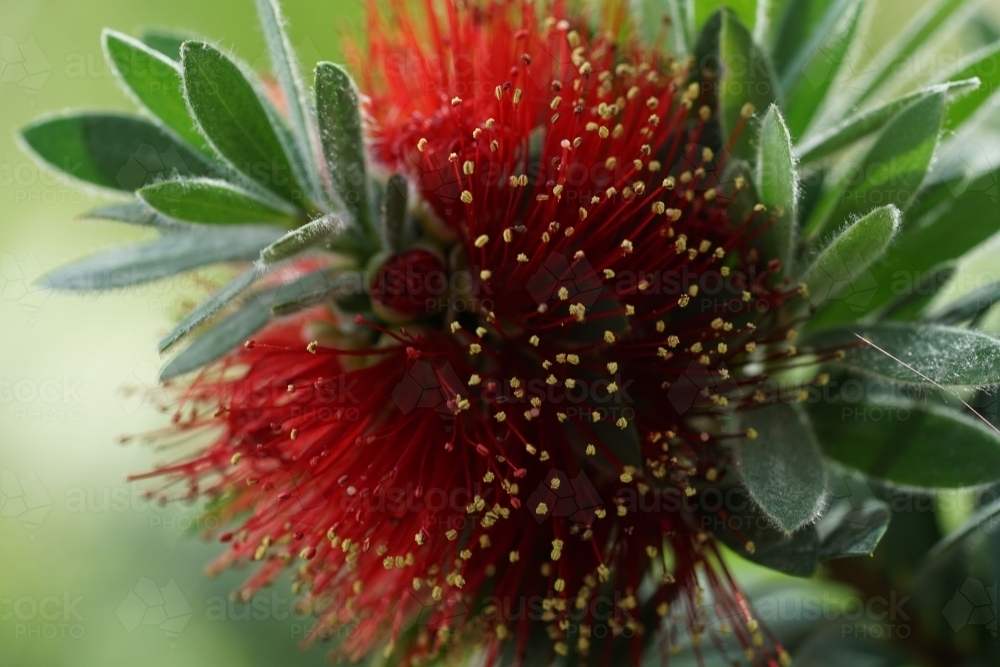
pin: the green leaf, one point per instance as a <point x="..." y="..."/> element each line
<point x="155" y="82"/>
<point x="235" y="329"/>
<point x="650" y="17"/>
<point x="337" y="288"/>
<point x="824" y="144"/>
<point x="764" y="15"/>
<point x="214" y="202"/>
<point x="111" y="150"/>
<point x="236" y="122"/>
<point x="932" y="20"/>
<point x="803" y="26"/>
<point x="782" y="467"/>
<point x="682" y="24"/>
<point x="134" y="213"/>
<point x="746" y="10"/>
<point x="751" y="534"/>
<point x="857" y="530"/>
<point x="985" y="29"/>
<point x="225" y="336"/>
<point x="172" y="253"/>
<point x="209" y="307"/>
<point x="924" y="353"/>
<point x="285" y="65"/>
<point x="929" y="240"/>
<point x="909" y="443"/>
<point x="286" y="71"/>
<point x="852" y="643"/>
<point x="969" y="307"/>
<point x="343" y="142"/>
<point x="810" y="76"/>
<point x="843" y="264"/>
<point x="394" y="213"/>
<point x="746" y="79"/>
<point x="892" y="172"/>
<point x="166" y="41"/>
<point x="911" y="297"/>
<point x="795" y="555"/>
<point x="983" y="65"/>
<point x="777" y="186"/>
<point x="983" y="518"/>
<point x="968" y="154"/>
<point x="301" y="239"/>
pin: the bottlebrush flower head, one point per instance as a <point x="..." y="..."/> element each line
<point x="481" y="472"/>
<point x="478" y="403"/>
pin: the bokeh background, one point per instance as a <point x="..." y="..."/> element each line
<point x="92" y="574"/>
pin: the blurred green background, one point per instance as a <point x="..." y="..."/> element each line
<point x="91" y="573"/>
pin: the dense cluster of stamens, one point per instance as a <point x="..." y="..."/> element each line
<point x="484" y="476"/>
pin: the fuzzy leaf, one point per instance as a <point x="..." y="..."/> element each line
<point x="746" y="79"/>
<point x="172" y="253"/>
<point x="343" y="143"/>
<point x="795" y="555"/>
<point x="236" y="122"/>
<point x="891" y="172"/>
<point x="220" y="339"/>
<point x="857" y="530"/>
<point x="930" y="239"/>
<point x="859" y="126"/>
<point x="235" y="329"/>
<point x="777" y="185"/>
<point x="909" y="443"/>
<point x="134" y="213"/>
<point x="215" y="203"/>
<point x="336" y="287"/>
<point x="843" y="264"/>
<point x="929" y="353"/>
<point x="111" y="150"/>
<point x="782" y="467"/>
<point x="286" y="71"/>
<point x="155" y="82"/>
<point x="983" y="65"/>
<point x="209" y="307"/>
<point x="814" y="70"/>
<point x="751" y="534"/>
<point x="301" y="239"/>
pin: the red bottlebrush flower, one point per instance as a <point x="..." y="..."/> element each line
<point x="481" y="477"/>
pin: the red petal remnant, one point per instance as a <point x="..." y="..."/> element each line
<point x="409" y="284"/>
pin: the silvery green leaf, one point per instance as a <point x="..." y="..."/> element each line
<point x="782" y="466"/>
<point x="172" y="253"/>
